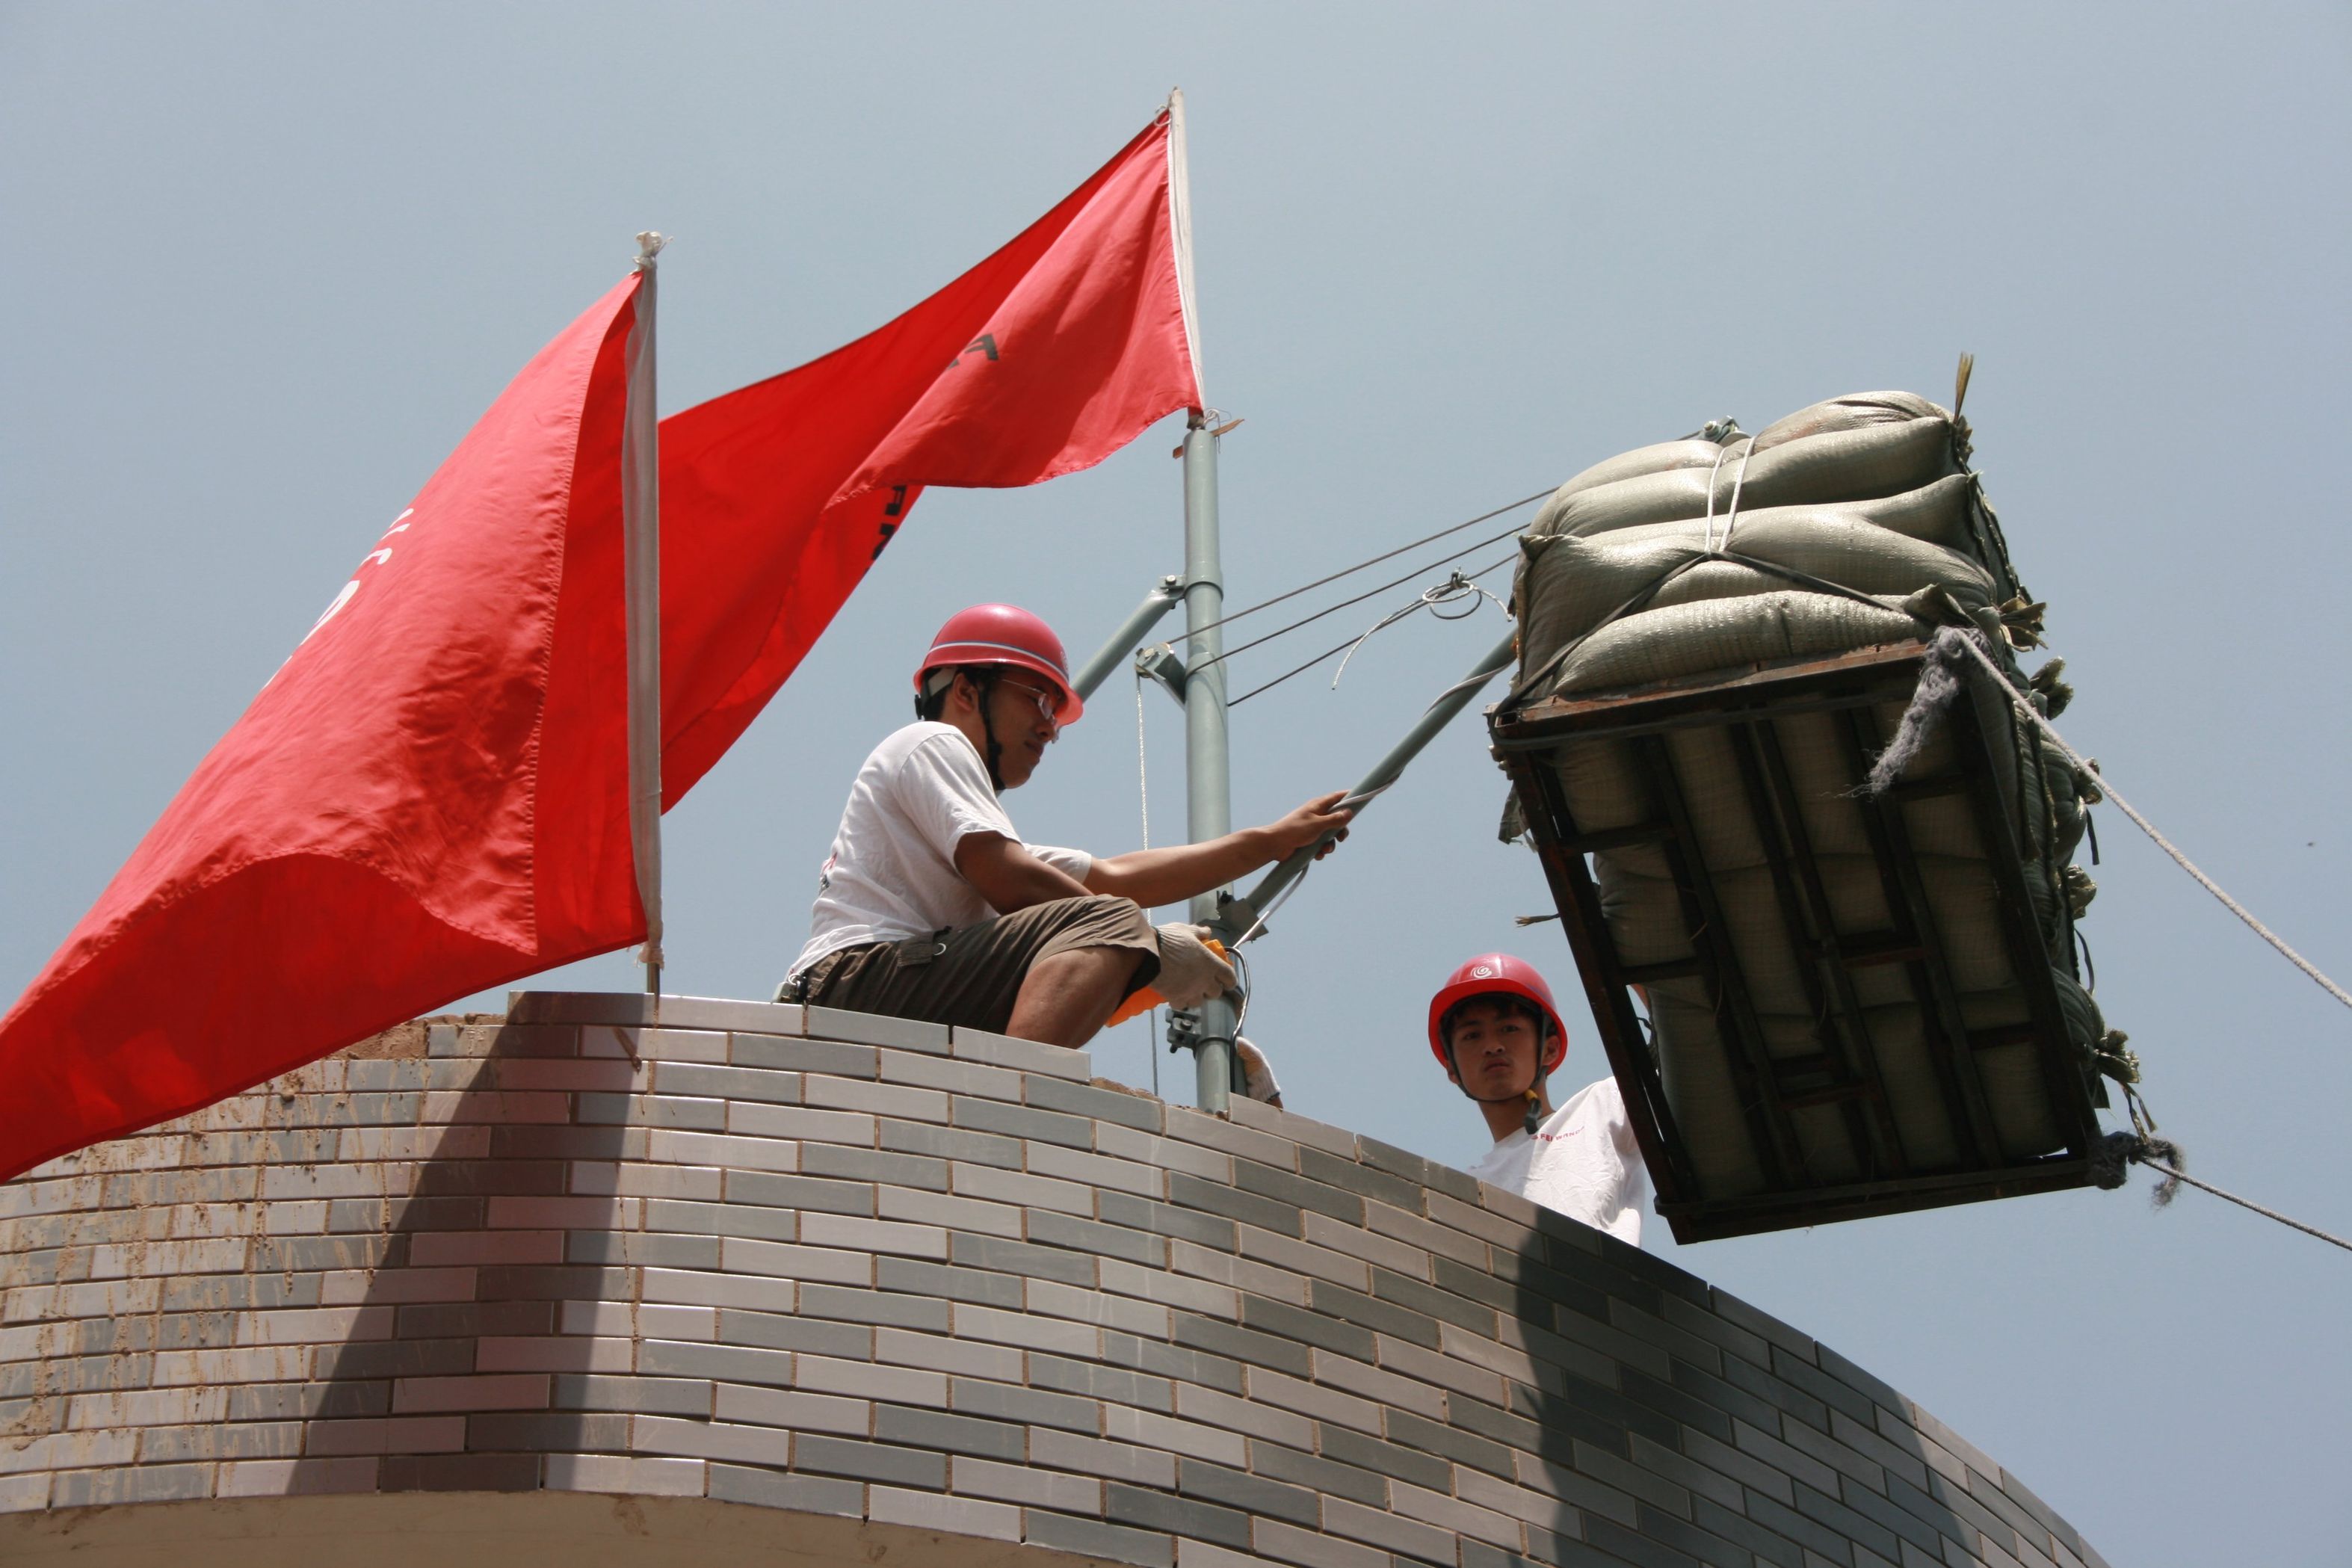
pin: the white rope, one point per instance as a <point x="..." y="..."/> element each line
<point x="1707" y="543"/>
<point x="1707" y="540"/>
<point x="2173" y="1174"/>
<point x="1143" y="798"/>
<point x="1142" y="772"/>
<point x="2016" y="697"/>
<point x="2111" y="1155"/>
<point x="1738" y="482"/>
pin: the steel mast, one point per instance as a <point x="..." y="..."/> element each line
<point x="1208" y="765"/>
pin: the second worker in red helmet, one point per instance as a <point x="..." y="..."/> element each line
<point x="932" y="906"/>
<point x="1493" y="1027"/>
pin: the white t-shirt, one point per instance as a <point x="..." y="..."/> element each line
<point x="892" y="874"/>
<point x="1582" y="1161"/>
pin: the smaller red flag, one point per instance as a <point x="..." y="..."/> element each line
<point x="429" y="797"/>
<point x="1044" y="359"/>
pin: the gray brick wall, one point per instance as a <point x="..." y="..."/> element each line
<point x="802" y="1259"/>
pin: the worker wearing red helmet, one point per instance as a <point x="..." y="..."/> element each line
<point x="1494" y="1029"/>
<point x="931" y="905"/>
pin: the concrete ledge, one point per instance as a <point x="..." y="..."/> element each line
<point x="865" y="1285"/>
<point x="489" y="1529"/>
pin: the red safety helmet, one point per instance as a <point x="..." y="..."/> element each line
<point x="1004" y="635"/>
<point x="1483" y="976"/>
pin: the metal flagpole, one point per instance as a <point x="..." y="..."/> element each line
<point x="1208" y="767"/>
<point x="1208" y="772"/>
<point x="641" y="535"/>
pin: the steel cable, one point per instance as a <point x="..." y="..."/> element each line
<point x="1393" y="583"/>
<point x="2172" y="1174"/>
<point x="2025" y="706"/>
<point x="1351" y="642"/>
<point x="1376" y="560"/>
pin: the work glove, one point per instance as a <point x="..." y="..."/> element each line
<point x="1257" y="1074"/>
<point x="1190" y="970"/>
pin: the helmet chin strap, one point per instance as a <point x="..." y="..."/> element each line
<point x="994" y="755"/>
<point x="985" y="685"/>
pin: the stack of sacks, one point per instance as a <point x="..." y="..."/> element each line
<point x="1869" y="492"/>
<point x="1851" y="523"/>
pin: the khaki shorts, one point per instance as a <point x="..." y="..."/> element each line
<point x="972" y="974"/>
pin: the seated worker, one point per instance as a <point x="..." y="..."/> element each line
<point x="1497" y="1035"/>
<point x="932" y="907"/>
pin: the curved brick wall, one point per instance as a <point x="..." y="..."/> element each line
<point x="938" y="1299"/>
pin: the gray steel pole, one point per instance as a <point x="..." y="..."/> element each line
<point x="1208" y="768"/>
<point x="1129" y="636"/>
<point x="1386" y="772"/>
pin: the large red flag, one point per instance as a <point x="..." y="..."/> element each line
<point x="430" y="795"/>
<point x="1044" y="359"/>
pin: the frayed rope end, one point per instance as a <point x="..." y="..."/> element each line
<point x="1939" y="687"/>
<point x="2113" y="1156"/>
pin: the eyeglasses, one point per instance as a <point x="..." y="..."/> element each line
<point x="1048" y="702"/>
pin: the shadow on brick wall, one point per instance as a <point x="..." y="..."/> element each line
<point x="1610" y="1404"/>
<point x="499" y="1305"/>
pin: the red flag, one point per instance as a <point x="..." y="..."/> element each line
<point x="429" y="797"/>
<point x="1044" y="359"/>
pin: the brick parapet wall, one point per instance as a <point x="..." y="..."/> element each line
<point x="851" y="1266"/>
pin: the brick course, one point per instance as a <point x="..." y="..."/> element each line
<point x="809" y="1260"/>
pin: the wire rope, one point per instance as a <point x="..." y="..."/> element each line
<point x="1393" y="583"/>
<point x="1351" y="642"/>
<point x="2018" y="701"/>
<point x="2172" y="1174"/>
<point x="1376" y="560"/>
<point x="2113" y="1153"/>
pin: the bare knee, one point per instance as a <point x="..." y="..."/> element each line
<point x="1093" y="968"/>
<point x="1065" y="999"/>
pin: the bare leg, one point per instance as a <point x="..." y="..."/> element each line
<point x="1065" y="999"/>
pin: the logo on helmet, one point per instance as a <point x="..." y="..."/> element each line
<point x="1482" y="972"/>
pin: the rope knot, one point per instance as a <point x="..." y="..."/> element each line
<point x="2113" y="1058"/>
<point x="1719" y="431"/>
<point x="2113" y="1155"/>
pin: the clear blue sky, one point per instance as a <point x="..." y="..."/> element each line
<point x="266" y="264"/>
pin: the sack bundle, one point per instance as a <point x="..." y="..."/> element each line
<point x="1853" y="523"/>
